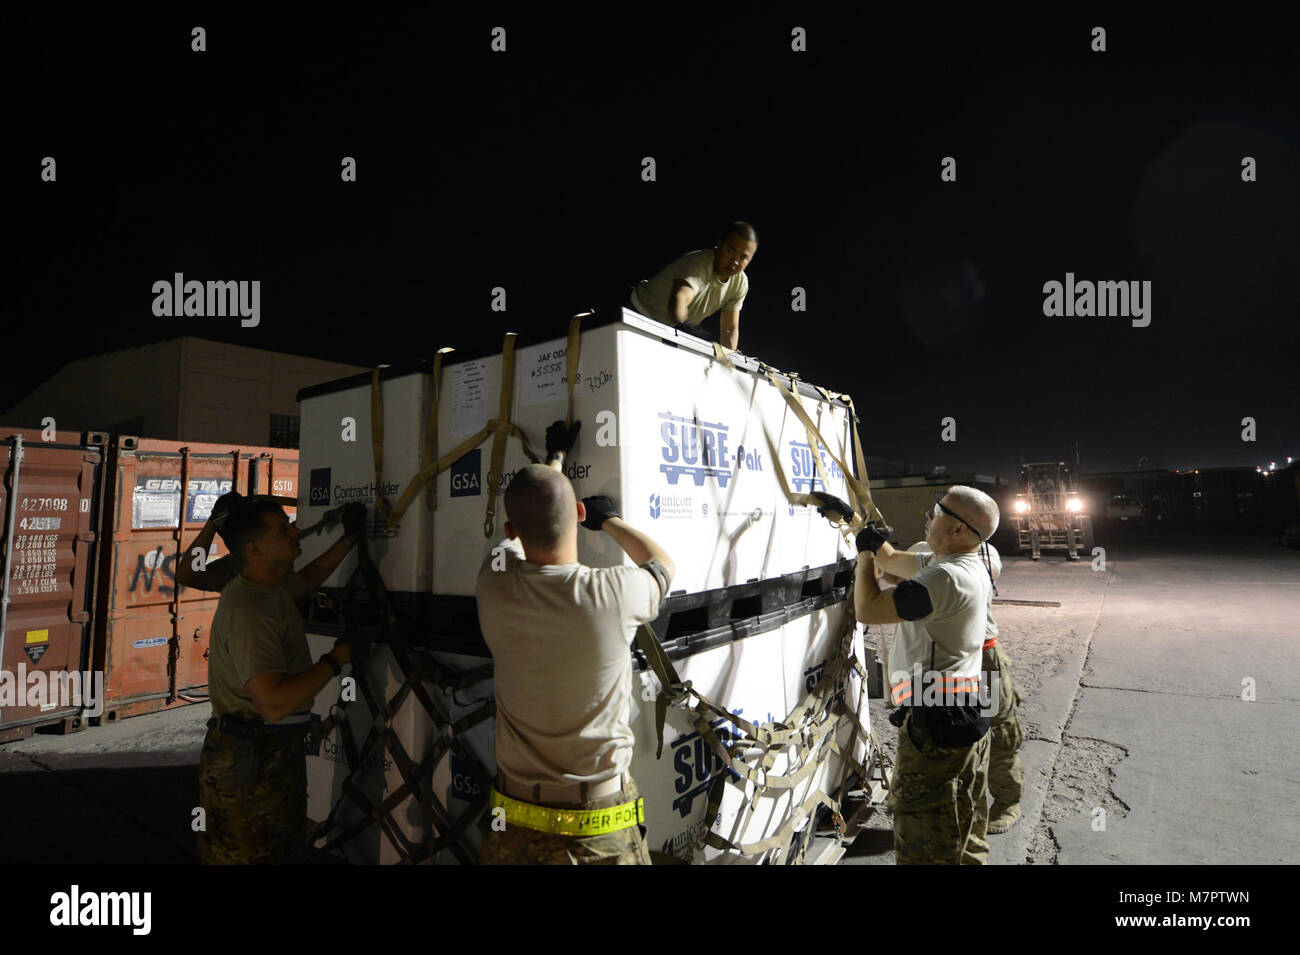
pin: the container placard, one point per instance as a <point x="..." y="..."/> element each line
<point x="468" y="397"/>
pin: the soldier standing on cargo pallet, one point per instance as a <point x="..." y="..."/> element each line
<point x="252" y="770"/>
<point x="560" y="635"/>
<point x="689" y="290"/>
<point x="939" y="793"/>
<point x="1006" y="773"/>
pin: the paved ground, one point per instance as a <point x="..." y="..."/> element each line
<point x="1133" y="705"/>
<point x="1134" y="714"/>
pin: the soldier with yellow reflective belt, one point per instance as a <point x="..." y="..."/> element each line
<point x="560" y="635"/>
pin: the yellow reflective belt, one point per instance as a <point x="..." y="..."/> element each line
<point x="570" y="822"/>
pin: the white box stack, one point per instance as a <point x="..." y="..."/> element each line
<point x="672" y="435"/>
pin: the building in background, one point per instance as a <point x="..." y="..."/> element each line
<point x="186" y="389"/>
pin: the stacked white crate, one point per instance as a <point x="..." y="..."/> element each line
<point x="674" y="436"/>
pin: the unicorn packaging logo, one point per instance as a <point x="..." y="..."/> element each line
<point x="655" y="507"/>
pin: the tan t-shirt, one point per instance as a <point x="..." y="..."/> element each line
<point x="256" y="629"/>
<point x="560" y="637"/>
<point x="696" y="269"/>
<point x="995" y="562"/>
<point x="953" y="632"/>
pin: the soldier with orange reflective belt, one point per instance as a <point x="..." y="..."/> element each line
<point x="1006" y="771"/>
<point x="939" y="790"/>
<point x="560" y="635"/>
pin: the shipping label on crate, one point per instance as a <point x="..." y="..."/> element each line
<point x="468" y="397"/>
<point x="542" y="373"/>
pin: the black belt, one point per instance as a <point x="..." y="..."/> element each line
<point x="252" y="727"/>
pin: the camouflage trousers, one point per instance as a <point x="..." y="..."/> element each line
<point x="936" y="797"/>
<point x="265" y="824"/>
<point x="517" y="845"/>
<point x="1006" y="772"/>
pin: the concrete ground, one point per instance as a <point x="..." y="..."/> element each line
<point x="1133" y="714"/>
<point x="1143" y="744"/>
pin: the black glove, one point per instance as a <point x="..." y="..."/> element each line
<point x="560" y="437"/>
<point x="599" y="509"/>
<point x="224" y="507"/>
<point x="354" y="519"/>
<point x="873" y="535"/>
<point x="833" y="505"/>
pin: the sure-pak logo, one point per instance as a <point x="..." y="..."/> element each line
<point x="466" y="475"/>
<point x="803" y="469"/>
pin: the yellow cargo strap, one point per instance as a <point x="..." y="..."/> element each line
<point x="382" y="507"/>
<point x="499" y="439"/>
<point x="572" y="354"/>
<point x="862" y="496"/>
<point x="720" y="354"/>
<point x="569" y="822"/>
<point x="498" y="426"/>
<point x="431" y="430"/>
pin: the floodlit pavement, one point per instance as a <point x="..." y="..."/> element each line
<point x="1142" y="743"/>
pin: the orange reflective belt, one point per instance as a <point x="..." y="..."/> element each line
<point x="990" y="643"/>
<point x="950" y="684"/>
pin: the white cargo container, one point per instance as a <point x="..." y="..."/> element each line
<point x="760" y="678"/>
<point x="672" y="435"/>
<point x="677" y="439"/>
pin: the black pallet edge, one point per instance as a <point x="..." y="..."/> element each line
<point x="687" y="623"/>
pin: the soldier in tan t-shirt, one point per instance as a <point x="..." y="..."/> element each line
<point x="252" y="769"/>
<point x="692" y="288"/>
<point x="560" y="635"/>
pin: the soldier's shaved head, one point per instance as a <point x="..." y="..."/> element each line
<point x="541" y="506"/>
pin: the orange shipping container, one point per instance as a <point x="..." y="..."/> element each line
<point x="49" y="513"/>
<point x="151" y="641"/>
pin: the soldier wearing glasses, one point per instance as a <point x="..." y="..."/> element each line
<point x="939" y="795"/>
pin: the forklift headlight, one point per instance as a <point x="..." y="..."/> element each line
<point x="1074" y="504"/>
<point x="1022" y="507"/>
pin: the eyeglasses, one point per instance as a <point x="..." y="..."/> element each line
<point x="939" y="508"/>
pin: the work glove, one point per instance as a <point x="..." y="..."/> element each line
<point x="560" y="437"/>
<point x="599" y="509"/>
<point x="833" y="505"/>
<point x="354" y="519"/>
<point x="873" y="535"/>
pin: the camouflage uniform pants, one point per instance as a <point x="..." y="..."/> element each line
<point x="935" y="798"/>
<point x="1006" y="772"/>
<point x="262" y="825"/>
<point x="517" y="845"/>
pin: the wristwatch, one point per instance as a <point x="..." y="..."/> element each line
<point x="334" y="664"/>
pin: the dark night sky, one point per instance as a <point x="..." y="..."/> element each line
<point x="523" y="170"/>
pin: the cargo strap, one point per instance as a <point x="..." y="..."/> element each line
<point x="500" y="426"/>
<point x="862" y="502"/>
<point x="431" y="431"/>
<point x="572" y="356"/>
<point x="569" y="822"/>
<point x="382" y="507"/>
<point x="807" y="736"/>
<point x="448" y="831"/>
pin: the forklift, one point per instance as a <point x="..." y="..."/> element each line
<point x="1048" y="511"/>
